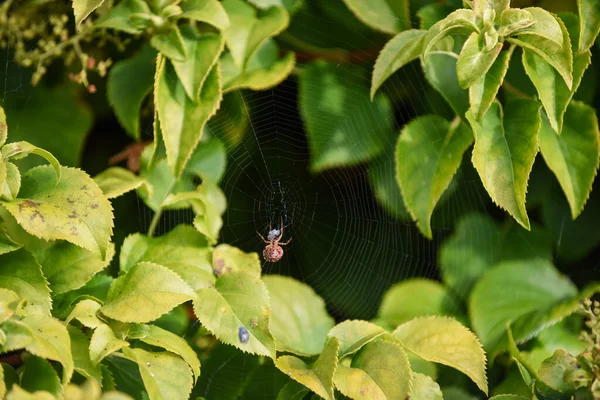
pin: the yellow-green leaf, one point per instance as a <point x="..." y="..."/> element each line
<point x="73" y="209"/>
<point x="300" y="321"/>
<point x="85" y="312"/>
<point x="145" y="293"/>
<point x="116" y="181"/>
<point x="83" y="8"/>
<point x="18" y="150"/>
<point x="444" y="340"/>
<point x="425" y="388"/>
<point x="209" y="11"/>
<point x="354" y="334"/>
<point x="589" y="22"/>
<point x="103" y="343"/>
<point x="226" y="258"/>
<point x="475" y="60"/>
<point x="317" y="376"/>
<point x="389" y="16"/>
<point x="80" y="350"/>
<point x="504" y="152"/>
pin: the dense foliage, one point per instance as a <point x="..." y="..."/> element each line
<point x="92" y="309"/>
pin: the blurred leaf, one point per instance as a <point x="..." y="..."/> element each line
<point x="229" y="123"/>
<point x="389" y="16"/>
<point x="265" y="69"/>
<point x="208" y="160"/>
<point x="116" y="181"/>
<point x="129" y="82"/>
<point x="558" y="372"/>
<point x="73" y="209"/>
<point x="552" y="89"/>
<point x="96" y="288"/>
<point x="300" y="321"/>
<point x="402" y="49"/>
<point x="38" y="375"/>
<point x="21" y="273"/>
<point x="170" y="44"/>
<point x="416" y="298"/>
<point x="382" y="176"/>
<point x="573" y="155"/>
<point x="497" y="5"/>
<point x="462" y="21"/>
<point x="118" y="17"/>
<point x="182" y="120"/>
<point x="380" y="370"/>
<point x="293" y="391"/>
<point x="163" y="182"/>
<point x="165" y="375"/>
<point x="103" y="343"/>
<point x="248" y="29"/>
<point x="508" y="397"/>
<point x="237" y="312"/>
<point x="50" y="340"/>
<point x="353" y="335"/>
<point x="556" y="53"/>
<point x="155" y="336"/>
<point x="289" y="5"/>
<point x="475" y="60"/>
<point x="483" y="91"/>
<point x="428" y="154"/>
<point x="145" y="293"/>
<point x="55" y="120"/>
<point x="12" y="182"/>
<point x="440" y="71"/>
<point x="203" y="52"/>
<point x="209" y="11"/>
<point x="589" y="23"/>
<point x="444" y="340"/>
<point x="19" y="150"/>
<point x="432" y="13"/>
<point x="317" y="376"/>
<point x="425" y="388"/>
<point x="3" y="127"/>
<point x="504" y="152"/>
<point x="80" y="350"/>
<point x="6" y="243"/>
<point x="535" y="285"/>
<point x="183" y="250"/>
<point x="343" y="126"/>
<point x="126" y="376"/>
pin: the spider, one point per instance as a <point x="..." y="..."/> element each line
<point x="273" y="252"/>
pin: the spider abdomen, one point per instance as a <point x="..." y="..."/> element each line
<point x="272" y="253"/>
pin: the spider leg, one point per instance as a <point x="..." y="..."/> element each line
<point x="283" y="244"/>
<point x="264" y="240"/>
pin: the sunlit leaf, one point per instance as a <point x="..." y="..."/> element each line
<point x="425" y="388"/>
<point x="103" y="343"/>
<point x="118" y="17"/>
<point x="444" y="340"/>
<point x="18" y="150"/>
<point x="80" y="350"/>
<point x="209" y="11"/>
<point x="38" y="375"/>
<point x="300" y="321"/>
<point x="145" y="293"/>
<point x="116" y="181"/>
<point x="589" y="22"/>
<point x="85" y="312"/>
<point x="475" y="60"/>
<point x="317" y="376"/>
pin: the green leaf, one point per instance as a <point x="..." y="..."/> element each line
<point x="170" y="44"/>
<point x="209" y="159"/>
<point x="353" y="335"/>
<point x="379" y="370"/>
<point x="73" y="209"/>
<point x="80" y="350"/>
<point x="3" y="127"/>
<point x="118" y="17"/>
<point x="129" y="82"/>
<point x="18" y="150"/>
<point x="208" y="219"/>
<point x="479" y="6"/>
<point x="190" y="258"/>
<point x="504" y="152"/>
<point x="182" y="120"/>
<point x="38" y="375"/>
<point x="387" y="16"/>
<point x="231" y="121"/>
<point x="50" y="340"/>
<point x="461" y="21"/>
<point x="551" y="88"/>
<point x="289" y="5"/>
<point x="103" y="343"/>
<point x="145" y="293"/>
<point x="6" y="243"/>
<point x="248" y="29"/>
<point x="343" y="126"/>
<point x="265" y="69"/>
<point x="61" y="117"/>
<point x="155" y="336"/>
<point x="300" y="321"/>
<point x="444" y="340"/>
<point x="402" y="49"/>
<point x="21" y="273"/>
<point x="18" y="335"/>
<point x="85" y="312"/>
<point x="19" y="394"/>
<point x="474" y="60"/>
<point x="317" y="376"/>
<point x="293" y="391"/>
<point x="589" y="23"/>
<point x="203" y="52"/>
<point x="382" y="176"/>
<point x="508" y="397"/>
<point x="209" y="11"/>
<point x="12" y="184"/>
<point x="440" y="71"/>
<point x="513" y="20"/>
<point x="237" y="312"/>
<point x="465" y="256"/>
<point x="425" y="388"/>
<point x="10" y="303"/>
<point x="428" y="154"/>
<point x="83" y="8"/>
<point x="416" y="298"/>
<point x="166" y="376"/>
<point x="226" y="258"/>
<point x="431" y="13"/>
<point x="558" y="54"/>
<point x="162" y="182"/>
<point x="482" y="92"/>
<point x="558" y="372"/>
<point x="534" y="285"/>
<point x="573" y="155"/>
<point x="116" y="181"/>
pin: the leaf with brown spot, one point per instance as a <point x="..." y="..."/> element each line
<point x="74" y="209"/>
